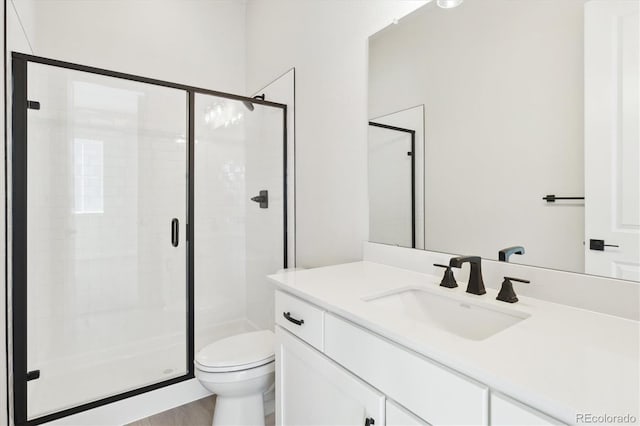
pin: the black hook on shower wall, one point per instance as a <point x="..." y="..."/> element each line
<point x="262" y="199"/>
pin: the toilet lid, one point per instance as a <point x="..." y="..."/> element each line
<point x="240" y="351"/>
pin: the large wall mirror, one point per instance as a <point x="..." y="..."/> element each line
<point x="510" y="123"/>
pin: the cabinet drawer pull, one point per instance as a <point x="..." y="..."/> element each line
<point x="289" y="318"/>
<point x="369" y="421"/>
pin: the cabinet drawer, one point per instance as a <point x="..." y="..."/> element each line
<point x="508" y="412"/>
<point x="435" y="393"/>
<point x="300" y="318"/>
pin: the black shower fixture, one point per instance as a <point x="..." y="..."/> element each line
<point x="249" y="104"/>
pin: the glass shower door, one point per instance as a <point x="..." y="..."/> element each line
<point x="106" y="249"/>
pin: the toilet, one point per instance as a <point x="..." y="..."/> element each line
<point x="239" y="369"/>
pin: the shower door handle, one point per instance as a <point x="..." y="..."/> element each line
<point x="175" y="231"/>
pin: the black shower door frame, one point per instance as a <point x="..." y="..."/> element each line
<point x="18" y="243"/>
<point x="412" y="134"/>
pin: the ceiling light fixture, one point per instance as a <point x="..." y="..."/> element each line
<point x="449" y="4"/>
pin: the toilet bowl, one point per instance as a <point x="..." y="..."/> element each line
<point x="239" y="369"/>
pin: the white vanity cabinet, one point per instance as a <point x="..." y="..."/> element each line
<point x="330" y="371"/>
<point x="508" y="412"/>
<point x="399" y="416"/>
<point x="313" y="390"/>
<point x="435" y="393"/>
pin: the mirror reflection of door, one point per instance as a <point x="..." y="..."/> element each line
<point x="612" y="139"/>
<point x="396" y="204"/>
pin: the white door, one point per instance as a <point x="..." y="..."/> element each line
<point x="612" y="153"/>
<point x="313" y="390"/>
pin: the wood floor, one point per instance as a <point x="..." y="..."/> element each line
<point x="196" y="413"/>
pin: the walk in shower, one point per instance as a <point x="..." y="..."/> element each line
<point x="136" y="204"/>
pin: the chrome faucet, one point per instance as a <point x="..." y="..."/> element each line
<point x="475" y="285"/>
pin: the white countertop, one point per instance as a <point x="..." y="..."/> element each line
<point x="561" y="360"/>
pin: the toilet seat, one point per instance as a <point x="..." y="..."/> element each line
<point x="209" y="369"/>
<point x="239" y="352"/>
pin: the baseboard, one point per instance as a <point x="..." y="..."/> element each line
<point x="138" y="407"/>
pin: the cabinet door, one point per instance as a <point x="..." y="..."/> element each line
<point x="399" y="416"/>
<point x="313" y="390"/>
<point x="508" y="412"/>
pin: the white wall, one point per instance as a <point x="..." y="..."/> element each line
<point x="326" y="41"/>
<point x="502" y="84"/>
<point x="194" y="42"/>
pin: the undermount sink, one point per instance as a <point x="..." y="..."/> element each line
<point x="455" y="315"/>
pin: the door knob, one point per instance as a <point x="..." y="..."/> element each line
<point x="599" y="245"/>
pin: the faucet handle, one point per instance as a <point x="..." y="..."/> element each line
<point x="507" y="294"/>
<point x="519" y="280"/>
<point x="448" y="280"/>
